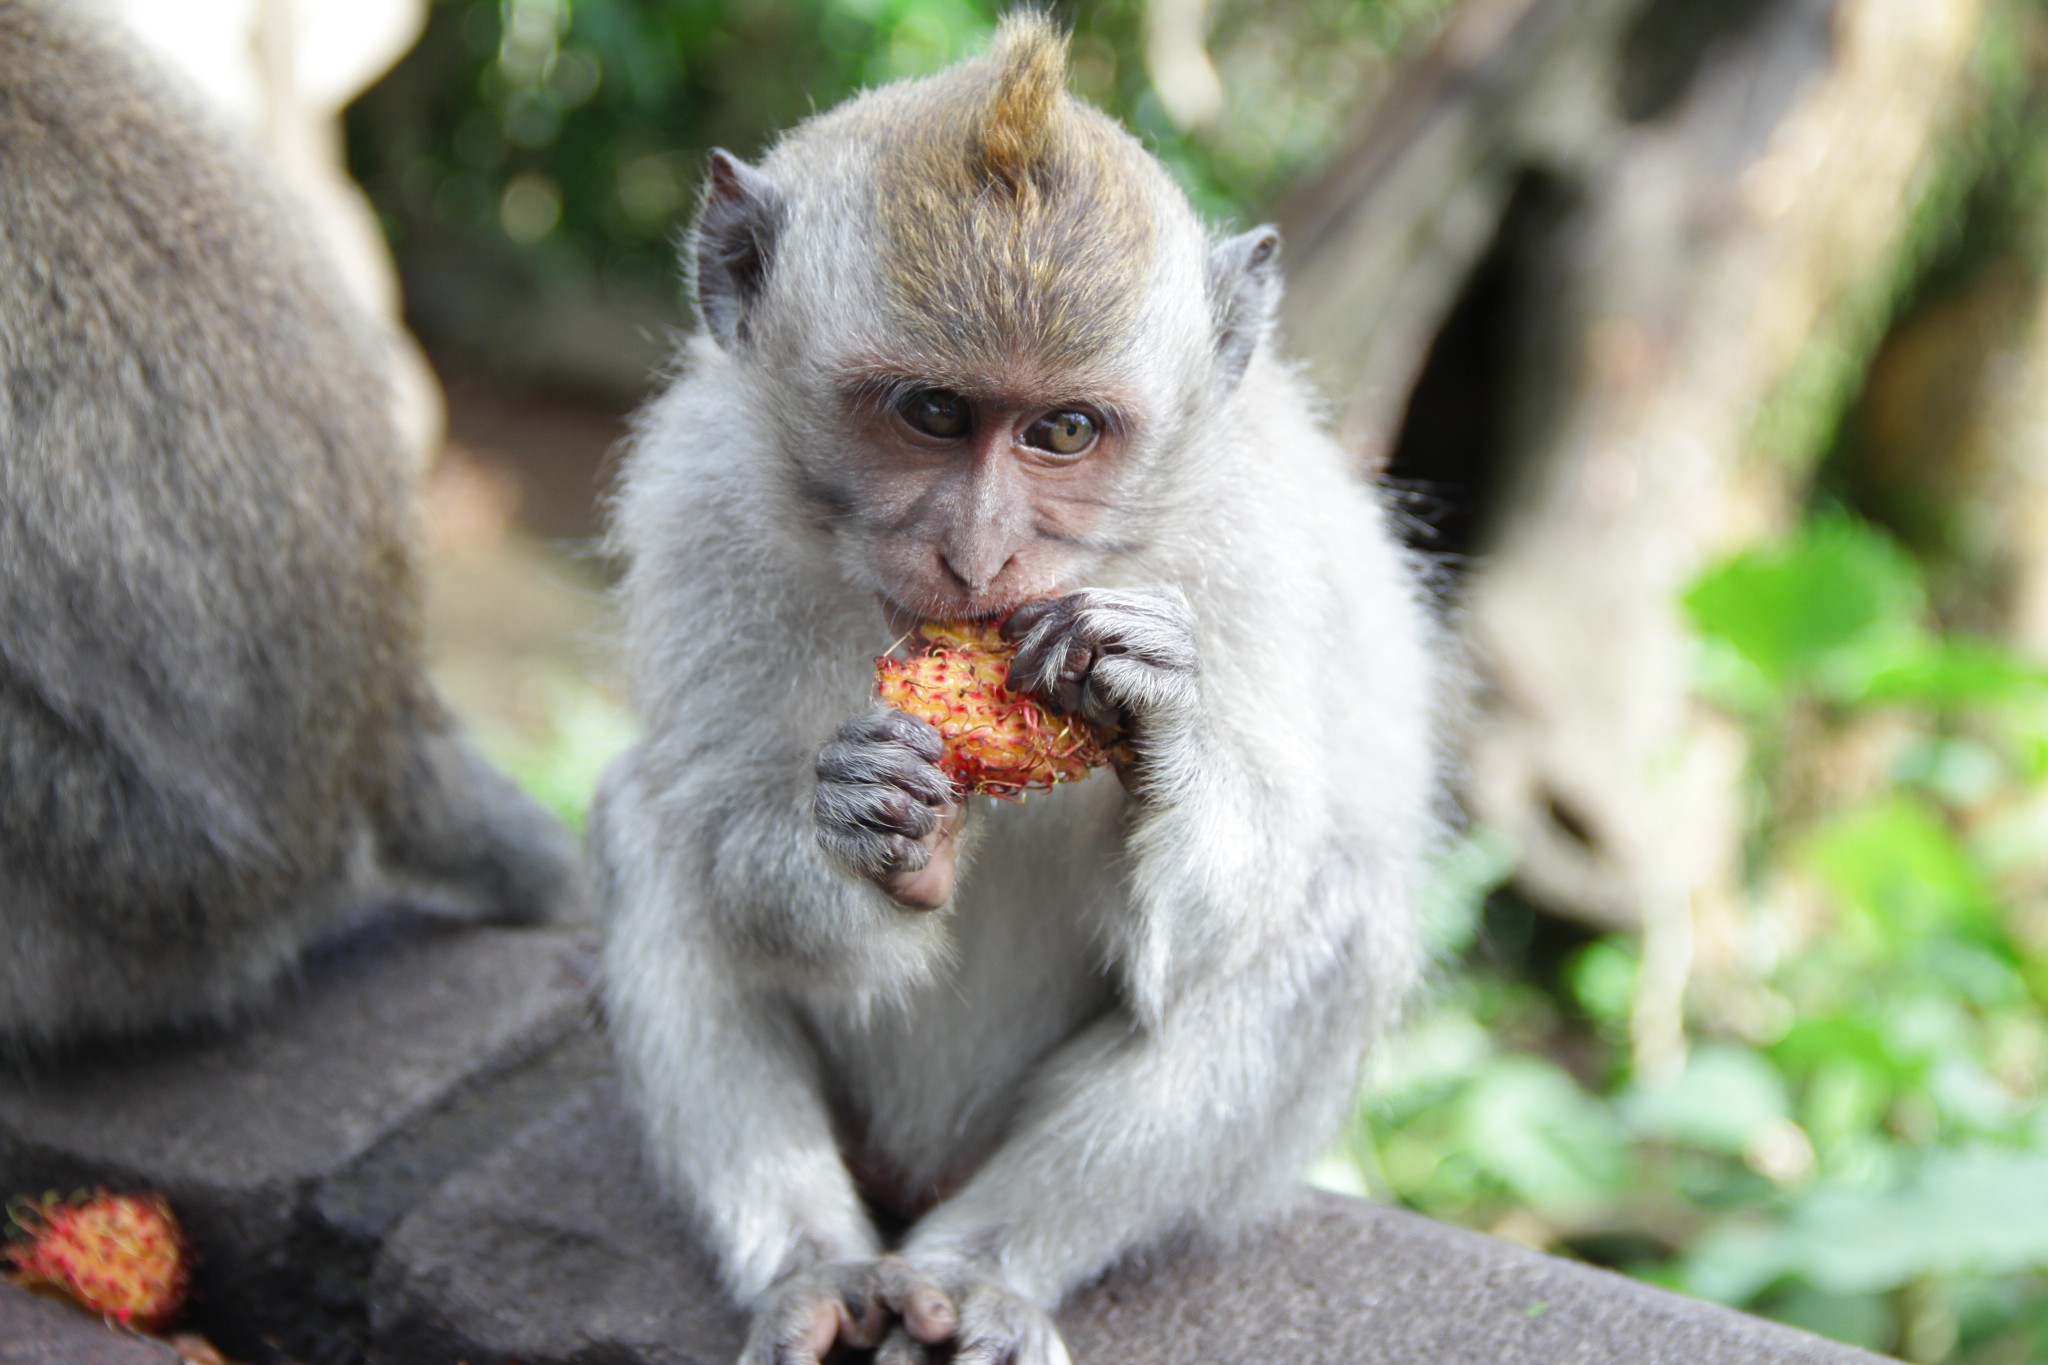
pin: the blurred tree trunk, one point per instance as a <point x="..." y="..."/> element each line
<point x="1948" y="443"/>
<point x="1598" y="284"/>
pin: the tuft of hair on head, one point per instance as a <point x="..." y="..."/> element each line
<point x="1020" y="127"/>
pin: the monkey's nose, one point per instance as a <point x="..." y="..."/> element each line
<point x="972" y="572"/>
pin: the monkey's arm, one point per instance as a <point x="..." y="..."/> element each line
<point x="726" y="1080"/>
<point x="1133" y="1131"/>
<point x="1266" y="934"/>
<point x="715" y="1063"/>
<point x="1242" y="760"/>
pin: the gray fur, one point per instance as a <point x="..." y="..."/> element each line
<point x="1142" y="1010"/>
<point x="216" y="738"/>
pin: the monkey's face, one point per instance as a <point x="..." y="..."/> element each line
<point x="965" y="503"/>
<point x="983" y="322"/>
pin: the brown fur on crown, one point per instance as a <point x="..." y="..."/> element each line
<point x="1020" y="127"/>
<point x="1017" y="224"/>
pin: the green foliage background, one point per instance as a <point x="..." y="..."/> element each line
<point x="566" y="136"/>
<point x="1856" y="1141"/>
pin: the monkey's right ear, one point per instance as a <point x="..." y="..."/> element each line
<point x="734" y="243"/>
<point x="1244" y="291"/>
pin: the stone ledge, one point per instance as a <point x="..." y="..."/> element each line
<point x="554" y="1249"/>
<point x="421" y="1156"/>
<point x="36" y="1330"/>
<point x="557" y="1251"/>
<point x="290" y="1145"/>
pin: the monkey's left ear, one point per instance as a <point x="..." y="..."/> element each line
<point x="1244" y="290"/>
<point x="734" y="243"/>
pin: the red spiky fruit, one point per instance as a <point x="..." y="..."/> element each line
<point x="998" y="742"/>
<point x="120" y="1255"/>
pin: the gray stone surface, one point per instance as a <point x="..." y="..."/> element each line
<point x="1345" y="1282"/>
<point x="38" y="1330"/>
<point x="289" y="1145"/>
<point x="556" y="1251"/>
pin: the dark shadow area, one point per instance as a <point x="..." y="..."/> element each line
<point x="1670" y="43"/>
<point x="1450" y="458"/>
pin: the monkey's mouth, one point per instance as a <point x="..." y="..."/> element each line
<point x="904" y="620"/>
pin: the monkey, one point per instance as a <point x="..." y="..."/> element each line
<point x="218" y="742"/>
<point x="917" y="1065"/>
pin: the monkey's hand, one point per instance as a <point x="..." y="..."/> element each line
<point x="995" y="1326"/>
<point x="848" y="1303"/>
<point x="885" y="811"/>
<point x="1120" y="659"/>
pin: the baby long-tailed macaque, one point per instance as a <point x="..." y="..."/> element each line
<point x="217" y="741"/>
<point x="920" y="1064"/>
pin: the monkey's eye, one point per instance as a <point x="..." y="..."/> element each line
<point x="1063" y="433"/>
<point x="937" y="412"/>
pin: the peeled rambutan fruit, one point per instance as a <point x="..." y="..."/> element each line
<point x="120" y="1255"/>
<point x="998" y="742"/>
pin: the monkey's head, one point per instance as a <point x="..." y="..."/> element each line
<point x="987" y="330"/>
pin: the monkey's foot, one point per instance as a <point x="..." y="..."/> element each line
<point x="846" y="1303"/>
<point x="805" y="1316"/>
<point x="996" y="1327"/>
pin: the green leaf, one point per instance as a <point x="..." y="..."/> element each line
<point x="1602" y="978"/>
<point x="1898" y="872"/>
<point x="1831" y="608"/>
<point x="1865" y="1320"/>
<point x="1427" y="1059"/>
<point x="1950" y="673"/>
<point x="1981" y="1211"/>
<point x="1465" y="874"/>
<point x="1529" y="1126"/>
<point x="1726" y="1097"/>
<point x="1956" y="771"/>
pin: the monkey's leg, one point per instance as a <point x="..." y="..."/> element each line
<point x="455" y="823"/>
<point x="728" y="1090"/>
<point x="1132" y="1132"/>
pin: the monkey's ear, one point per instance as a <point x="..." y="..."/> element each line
<point x="1244" y="290"/>
<point x="734" y="243"/>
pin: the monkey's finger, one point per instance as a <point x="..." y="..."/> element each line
<point x="921" y="737"/>
<point x="1000" y="1330"/>
<point x="885" y="810"/>
<point x="900" y="1348"/>
<point x="923" y="781"/>
<point x="1158" y="628"/>
<point x="1098" y="707"/>
<point x="1003" y="1342"/>
<point x="862" y="1316"/>
<point x="1005" y="1351"/>
<point x="1071" y="689"/>
<point x="888" y="811"/>
<point x="1039" y="621"/>
<point x="1027" y="615"/>
<point x="905" y="854"/>
<point x="795" y="1333"/>
<point x="928" y="1312"/>
<point x="872" y="854"/>
<point x="870" y="763"/>
<point x="1050" y="654"/>
<point x="1123" y="685"/>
